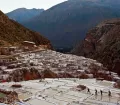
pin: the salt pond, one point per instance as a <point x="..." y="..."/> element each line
<point x="61" y="92"/>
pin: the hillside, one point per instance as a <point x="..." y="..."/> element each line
<point x="22" y="14"/>
<point x="13" y="33"/>
<point x="67" y="23"/>
<point x="103" y="44"/>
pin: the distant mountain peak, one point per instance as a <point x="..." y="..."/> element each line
<point x="23" y="14"/>
<point x="67" y="23"/>
<point x="23" y="8"/>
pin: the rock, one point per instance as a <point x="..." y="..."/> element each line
<point x="102" y="44"/>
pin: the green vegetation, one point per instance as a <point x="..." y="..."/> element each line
<point x="2" y="95"/>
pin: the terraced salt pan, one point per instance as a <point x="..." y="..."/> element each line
<point x="64" y="99"/>
<point x="38" y="102"/>
<point x="104" y="98"/>
<point x="94" y="102"/>
<point x="57" y="102"/>
<point x="49" y="92"/>
<point x="59" y="92"/>
<point x="77" y="94"/>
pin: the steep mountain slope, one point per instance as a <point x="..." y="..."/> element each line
<point x="22" y="14"/>
<point x="103" y="44"/>
<point x="12" y="32"/>
<point x="67" y="23"/>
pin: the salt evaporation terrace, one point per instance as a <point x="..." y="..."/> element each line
<point x="62" y="92"/>
<point x="62" y="65"/>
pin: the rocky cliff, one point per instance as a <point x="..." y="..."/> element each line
<point x="12" y="33"/>
<point x="103" y="44"/>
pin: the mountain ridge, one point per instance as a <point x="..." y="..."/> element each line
<point x="67" y="23"/>
<point x="102" y="43"/>
<point x="13" y="33"/>
<point x="23" y="14"/>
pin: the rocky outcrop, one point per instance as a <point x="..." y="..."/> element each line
<point x="103" y="44"/>
<point x="12" y="33"/>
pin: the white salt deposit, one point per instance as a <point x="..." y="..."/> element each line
<point x="60" y="92"/>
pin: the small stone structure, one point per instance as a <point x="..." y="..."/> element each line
<point x="43" y="47"/>
<point x="8" y="50"/>
<point x="27" y="45"/>
<point x="4" y="60"/>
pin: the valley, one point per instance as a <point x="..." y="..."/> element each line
<point x="68" y="54"/>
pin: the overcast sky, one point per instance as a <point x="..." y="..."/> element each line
<point x="9" y="5"/>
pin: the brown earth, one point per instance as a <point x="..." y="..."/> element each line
<point x="12" y="33"/>
<point x="103" y="44"/>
